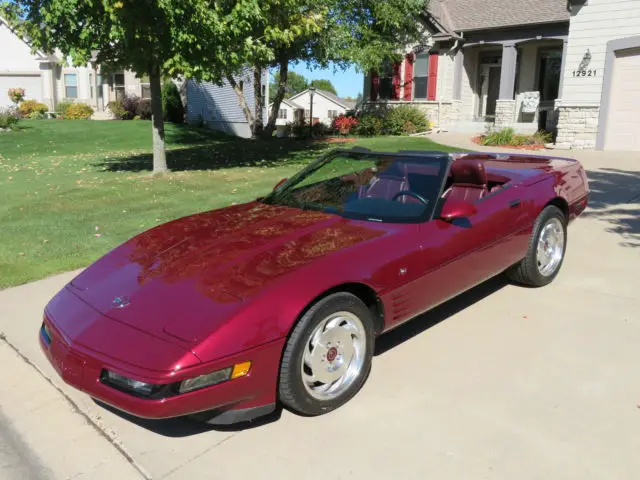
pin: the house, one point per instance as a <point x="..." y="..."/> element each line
<point x="326" y="105"/>
<point x="217" y="106"/>
<point x="50" y="79"/>
<point x="569" y="67"/>
<point x="289" y="112"/>
<point x="600" y="99"/>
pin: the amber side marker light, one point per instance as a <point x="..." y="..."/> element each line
<point x="241" y="369"/>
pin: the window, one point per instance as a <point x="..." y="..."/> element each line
<point x="282" y="113"/>
<point x="118" y="85"/>
<point x="420" y="76"/>
<point x="386" y="81"/>
<point x="307" y="114"/>
<point x="71" y="85"/>
<point x="333" y="114"/>
<point x="145" y="87"/>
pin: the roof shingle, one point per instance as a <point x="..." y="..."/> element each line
<point x="462" y="15"/>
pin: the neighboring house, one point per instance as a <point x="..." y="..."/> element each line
<point x="326" y="105"/>
<point x="600" y="97"/>
<point x="570" y="67"/>
<point x="48" y="78"/>
<point x="289" y="112"/>
<point x="217" y="106"/>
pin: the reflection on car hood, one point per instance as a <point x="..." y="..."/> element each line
<point x="185" y="277"/>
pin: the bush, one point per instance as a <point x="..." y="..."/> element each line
<point x="404" y="120"/>
<point x="116" y="108"/>
<point x="508" y="136"/>
<point x="27" y="107"/>
<point x="343" y="124"/>
<point x="16" y="95"/>
<point x="172" y="103"/>
<point x="8" y="118"/>
<point x="144" y="109"/>
<point x="79" y="111"/>
<point x="320" y="129"/>
<point x="300" y="130"/>
<point x="369" y="124"/>
<point x="130" y="105"/>
<point x="62" y="107"/>
<point x="36" y="116"/>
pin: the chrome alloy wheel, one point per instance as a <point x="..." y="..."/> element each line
<point x="550" y="248"/>
<point x="333" y="355"/>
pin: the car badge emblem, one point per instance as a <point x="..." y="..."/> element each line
<point x="120" y="302"/>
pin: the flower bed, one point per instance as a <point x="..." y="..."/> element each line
<point x="508" y="138"/>
<point x="479" y="140"/>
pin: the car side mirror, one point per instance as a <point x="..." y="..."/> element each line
<point x="280" y="183"/>
<point x="453" y="209"/>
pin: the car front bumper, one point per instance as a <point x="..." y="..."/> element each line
<point x="237" y="400"/>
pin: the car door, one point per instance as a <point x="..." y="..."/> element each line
<point x="457" y="255"/>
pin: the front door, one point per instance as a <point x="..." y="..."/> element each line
<point x="493" y="91"/>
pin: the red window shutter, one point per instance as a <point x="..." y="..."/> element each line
<point x="433" y="76"/>
<point x="375" y="85"/>
<point x="408" y="76"/>
<point x="395" y="95"/>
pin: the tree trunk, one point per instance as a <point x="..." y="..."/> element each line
<point x="157" y="121"/>
<point x="243" y="102"/>
<point x="282" y="86"/>
<point x="259" y="100"/>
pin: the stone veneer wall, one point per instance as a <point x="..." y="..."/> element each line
<point x="505" y="113"/>
<point x="577" y="127"/>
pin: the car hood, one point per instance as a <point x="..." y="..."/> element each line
<point x="186" y="277"/>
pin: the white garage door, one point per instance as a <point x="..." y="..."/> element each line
<point x="32" y="85"/>
<point x="623" y="122"/>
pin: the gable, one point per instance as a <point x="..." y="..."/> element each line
<point x="15" y="54"/>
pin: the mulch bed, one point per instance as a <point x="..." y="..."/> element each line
<point x="519" y="147"/>
<point x="336" y="140"/>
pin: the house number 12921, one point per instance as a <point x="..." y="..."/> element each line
<point x="585" y="73"/>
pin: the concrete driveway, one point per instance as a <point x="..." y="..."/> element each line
<point x="503" y="382"/>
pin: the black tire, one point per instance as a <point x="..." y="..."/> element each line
<point x="292" y="391"/>
<point x="526" y="272"/>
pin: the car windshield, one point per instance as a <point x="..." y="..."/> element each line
<point x="368" y="186"/>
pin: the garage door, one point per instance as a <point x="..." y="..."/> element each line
<point x="623" y="122"/>
<point x="32" y="85"/>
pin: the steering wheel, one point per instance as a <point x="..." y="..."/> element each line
<point x="409" y="193"/>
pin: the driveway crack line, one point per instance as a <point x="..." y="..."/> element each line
<point x="204" y="452"/>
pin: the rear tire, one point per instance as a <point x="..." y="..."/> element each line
<point x="327" y="358"/>
<point x="546" y="251"/>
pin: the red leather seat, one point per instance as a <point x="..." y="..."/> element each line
<point x="469" y="180"/>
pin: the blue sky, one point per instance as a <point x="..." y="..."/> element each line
<point x="347" y="83"/>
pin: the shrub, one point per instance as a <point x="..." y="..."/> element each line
<point x="369" y="124"/>
<point x="27" y="107"/>
<point x="63" y="106"/>
<point x="8" y="117"/>
<point x="130" y="105"/>
<point x="300" y="130"/>
<point x="320" y="129"/>
<point x="144" y="109"/>
<point x="404" y="119"/>
<point x="36" y="116"/>
<point x="344" y="124"/>
<point x="172" y="103"/>
<point x="16" y="95"/>
<point x="116" y="108"/>
<point x="79" y="111"/>
<point x="499" y="137"/>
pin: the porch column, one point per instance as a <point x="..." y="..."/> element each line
<point x="506" y="104"/>
<point x="457" y="75"/>
<point x="508" y="71"/>
<point x="563" y="65"/>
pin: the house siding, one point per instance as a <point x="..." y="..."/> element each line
<point x="217" y="106"/>
<point x="321" y="106"/>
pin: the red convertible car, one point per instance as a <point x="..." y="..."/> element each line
<point x="228" y="313"/>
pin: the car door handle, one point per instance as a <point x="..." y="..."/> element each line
<point x="514" y="203"/>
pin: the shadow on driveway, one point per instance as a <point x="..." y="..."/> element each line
<point x="615" y="199"/>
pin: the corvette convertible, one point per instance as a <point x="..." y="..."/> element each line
<point x="225" y="314"/>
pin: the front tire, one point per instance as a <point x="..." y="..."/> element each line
<point x="327" y="358"/>
<point x="546" y="251"/>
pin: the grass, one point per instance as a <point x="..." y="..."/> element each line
<point x="72" y="190"/>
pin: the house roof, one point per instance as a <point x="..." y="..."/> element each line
<point x="465" y="15"/>
<point x="347" y="104"/>
<point x="288" y="102"/>
<point x="40" y="56"/>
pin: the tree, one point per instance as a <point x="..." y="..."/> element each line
<point x="323" y="84"/>
<point x="296" y="83"/>
<point x="197" y="39"/>
<point x="363" y="33"/>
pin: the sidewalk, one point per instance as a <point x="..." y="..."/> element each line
<point x="43" y="435"/>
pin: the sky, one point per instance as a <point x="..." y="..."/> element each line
<point x="348" y="83"/>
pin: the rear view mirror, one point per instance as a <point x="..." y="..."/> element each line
<point x="453" y="209"/>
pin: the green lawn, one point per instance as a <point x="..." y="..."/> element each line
<point x="72" y="190"/>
